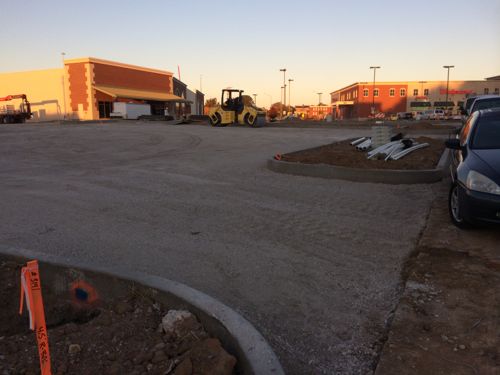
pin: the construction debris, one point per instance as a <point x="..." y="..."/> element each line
<point x="365" y="145"/>
<point x="398" y="148"/>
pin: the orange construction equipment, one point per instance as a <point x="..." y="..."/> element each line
<point x="9" y="114"/>
<point x="32" y="290"/>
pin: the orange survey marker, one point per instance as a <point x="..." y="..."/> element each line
<point x="32" y="290"/>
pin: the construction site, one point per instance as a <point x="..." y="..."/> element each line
<point x="326" y="269"/>
<point x="265" y="188"/>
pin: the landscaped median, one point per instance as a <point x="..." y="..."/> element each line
<point x="342" y="161"/>
<point x="120" y="322"/>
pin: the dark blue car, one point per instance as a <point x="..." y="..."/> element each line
<point x="475" y="171"/>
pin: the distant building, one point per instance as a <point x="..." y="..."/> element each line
<point x="86" y="89"/>
<point x="313" y="112"/>
<point x="197" y="101"/>
<point x="362" y="99"/>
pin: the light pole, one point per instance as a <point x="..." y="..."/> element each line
<point x="284" y="88"/>
<point x="373" y="88"/>
<point x="290" y="92"/>
<point x="255" y="99"/>
<point x="447" y="82"/>
<point x="319" y="97"/>
<point x="63" y="86"/>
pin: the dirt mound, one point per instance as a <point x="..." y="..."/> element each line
<point x="345" y="155"/>
<point x="125" y="338"/>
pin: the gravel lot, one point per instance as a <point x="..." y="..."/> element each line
<point x="315" y="264"/>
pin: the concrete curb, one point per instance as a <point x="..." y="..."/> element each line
<point x="384" y="176"/>
<point x="238" y="336"/>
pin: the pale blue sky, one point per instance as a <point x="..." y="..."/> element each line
<point x="324" y="45"/>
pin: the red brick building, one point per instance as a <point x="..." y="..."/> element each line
<point x="313" y="112"/>
<point x="94" y="84"/>
<point x="357" y="100"/>
<point x="363" y="99"/>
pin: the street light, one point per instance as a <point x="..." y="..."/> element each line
<point x="319" y="97"/>
<point x="290" y="92"/>
<point x="255" y="99"/>
<point x="63" y="85"/>
<point x="447" y="82"/>
<point x="373" y="88"/>
<point x="284" y="88"/>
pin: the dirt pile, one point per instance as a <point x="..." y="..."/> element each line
<point x="126" y="338"/>
<point x="345" y="155"/>
<point x="447" y="319"/>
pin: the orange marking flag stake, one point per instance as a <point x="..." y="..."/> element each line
<point x="32" y="289"/>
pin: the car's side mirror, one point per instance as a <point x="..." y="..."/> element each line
<point x="454" y="144"/>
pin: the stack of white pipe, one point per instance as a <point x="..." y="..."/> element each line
<point x="365" y="145"/>
<point x="384" y="149"/>
<point x="400" y="154"/>
<point x="358" y="141"/>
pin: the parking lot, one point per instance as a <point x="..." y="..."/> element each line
<point x="314" y="264"/>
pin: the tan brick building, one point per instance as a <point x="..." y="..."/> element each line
<point x="87" y="88"/>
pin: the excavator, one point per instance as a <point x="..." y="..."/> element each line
<point x="9" y="114"/>
<point x="233" y="110"/>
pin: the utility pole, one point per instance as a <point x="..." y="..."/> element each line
<point x="447" y="83"/>
<point x="281" y="100"/>
<point x="63" y="85"/>
<point x="290" y="93"/>
<point x="284" y="93"/>
<point x="373" y="88"/>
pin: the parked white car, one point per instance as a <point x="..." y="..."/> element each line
<point x="433" y="114"/>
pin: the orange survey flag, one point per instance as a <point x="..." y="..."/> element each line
<point x="32" y="290"/>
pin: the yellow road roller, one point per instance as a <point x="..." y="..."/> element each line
<point x="233" y="110"/>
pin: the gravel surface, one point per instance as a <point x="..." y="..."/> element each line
<point x="314" y="264"/>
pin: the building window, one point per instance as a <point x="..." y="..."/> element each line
<point x="415" y="92"/>
<point x="365" y="93"/>
<point x="402" y="92"/>
<point x="342" y="97"/>
<point x="392" y="92"/>
<point x="356" y="93"/>
<point x="486" y="91"/>
<point x="497" y="91"/>
<point x="375" y="92"/>
<point x="348" y="95"/>
<point x="426" y="92"/>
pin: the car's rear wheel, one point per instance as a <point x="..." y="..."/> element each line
<point x="455" y="209"/>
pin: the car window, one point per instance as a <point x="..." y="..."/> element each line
<point x="487" y="133"/>
<point x="486" y="103"/>
<point x="469" y="102"/>
<point x="464" y="133"/>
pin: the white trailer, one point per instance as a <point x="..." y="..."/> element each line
<point x="130" y="111"/>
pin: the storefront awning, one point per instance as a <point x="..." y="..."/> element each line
<point x="119" y="92"/>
